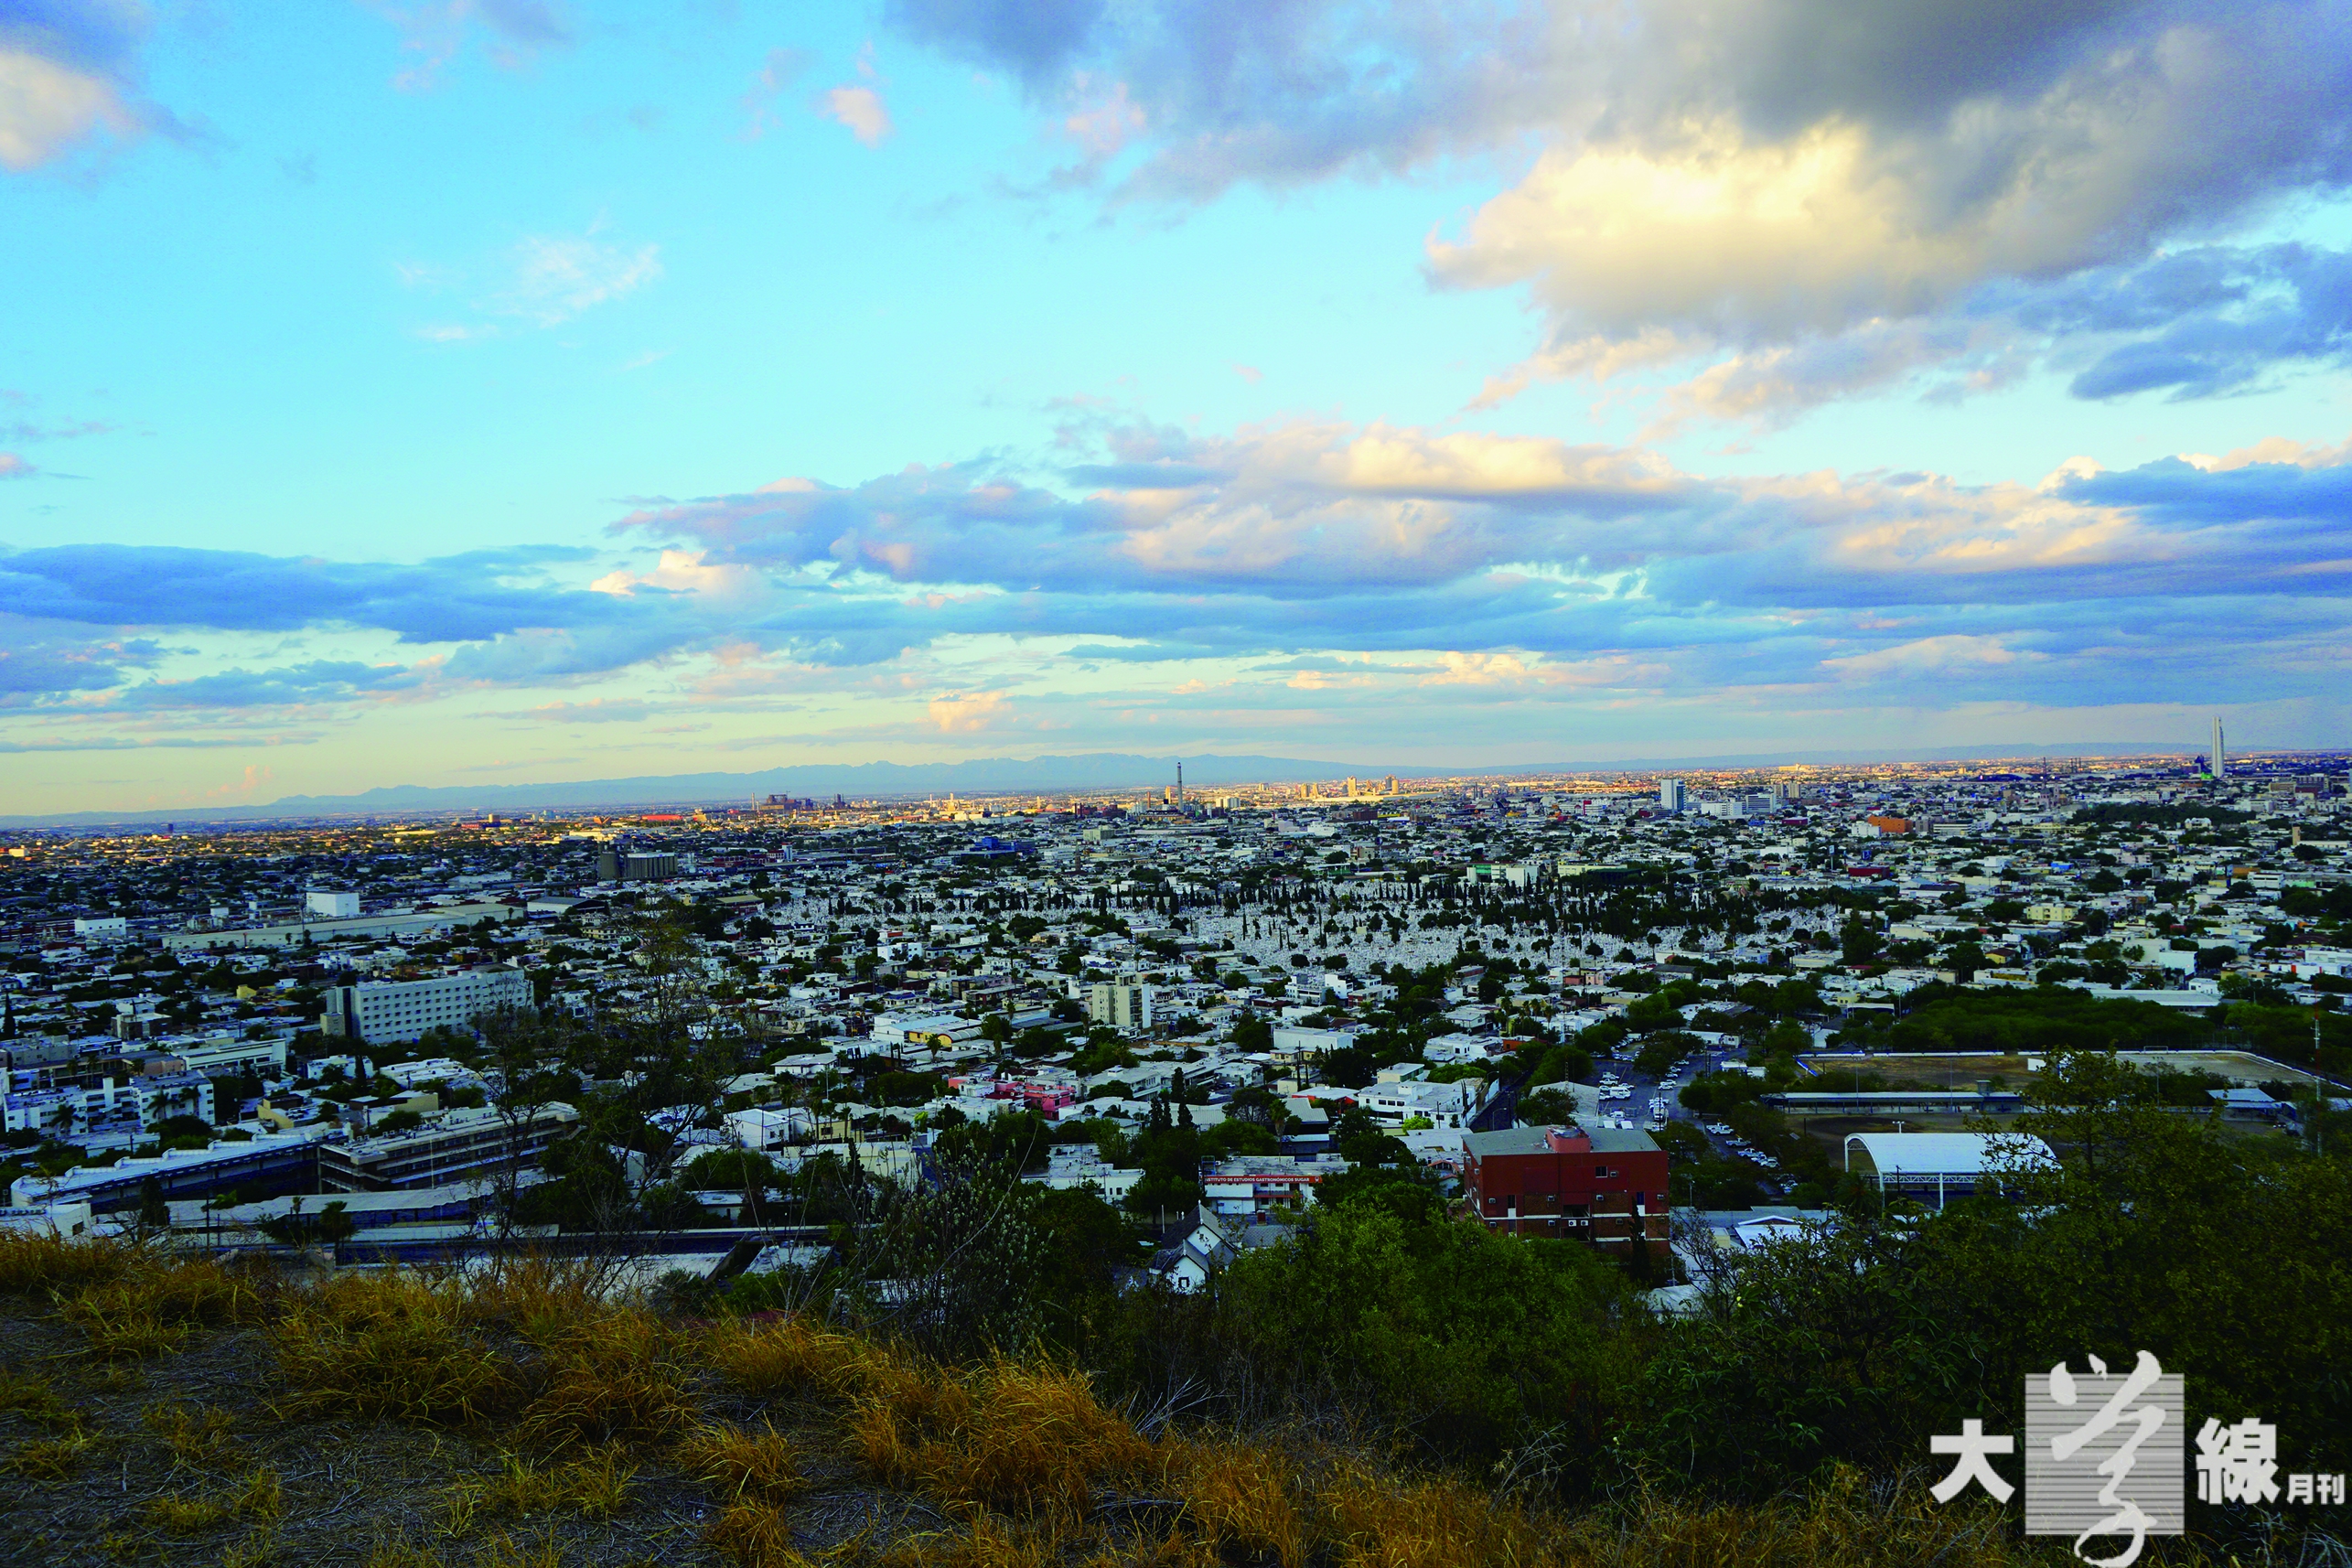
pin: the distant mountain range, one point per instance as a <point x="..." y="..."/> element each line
<point x="984" y="776"/>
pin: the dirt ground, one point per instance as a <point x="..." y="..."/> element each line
<point x="186" y="1459"/>
<point x="1896" y="1071"/>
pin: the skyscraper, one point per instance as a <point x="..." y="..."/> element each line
<point x="1672" y="794"/>
<point x="2220" y="762"/>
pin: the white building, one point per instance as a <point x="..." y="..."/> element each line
<point x="1077" y="1164"/>
<point x="1450" y="1105"/>
<point x="1673" y="794"/>
<point x="1945" y="1163"/>
<point x="763" y="1127"/>
<point x="930" y="1031"/>
<point x="1120" y="1006"/>
<point x="103" y="928"/>
<point x="381" y="1010"/>
<point x="331" y="904"/>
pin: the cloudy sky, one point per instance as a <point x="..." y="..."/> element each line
<point x="441" y="391"/>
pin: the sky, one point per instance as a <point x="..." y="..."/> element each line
<point x="510" y="390"/>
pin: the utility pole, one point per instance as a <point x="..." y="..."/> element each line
<point x="2318" y="1093"/>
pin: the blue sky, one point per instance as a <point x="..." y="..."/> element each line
<point x="507" y="390"/>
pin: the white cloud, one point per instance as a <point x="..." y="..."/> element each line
<point x="859" y="108"/>
<point x="558" y="276"/>
<point x="48" y="108"/>
<point x="1930" y="656"/>
<point x="964" y="713"/>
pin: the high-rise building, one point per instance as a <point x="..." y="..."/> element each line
<point x="1122" y="1006"/>
<point x="1673" y="795"/>
<point x="383" y="1011"/>
<point x="2220" y="758"/>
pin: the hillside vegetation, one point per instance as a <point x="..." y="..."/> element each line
<point x="167" y="1409"/>
<point x="1394" y="1388"/>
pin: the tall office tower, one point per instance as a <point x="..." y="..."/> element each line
<point x="1179" y="783"/>
<point x="2220" y="761"/>
<point x="1673" y="794"/>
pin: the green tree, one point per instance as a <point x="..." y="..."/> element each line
<point x="1469" y="1341"/>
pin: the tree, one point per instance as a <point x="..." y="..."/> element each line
<point x="1858" y="940"/>
<point x="1467" y="1340"/>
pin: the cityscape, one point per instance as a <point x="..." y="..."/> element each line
<point x="958" y="784"/>
<point x="752" y="1057"/>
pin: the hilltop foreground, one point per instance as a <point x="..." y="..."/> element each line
<point x="166" y="1409"/>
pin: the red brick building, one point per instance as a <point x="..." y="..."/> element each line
<point x="1603" y="1187"/>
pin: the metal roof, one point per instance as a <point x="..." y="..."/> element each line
<point x="1947" y="1153"/>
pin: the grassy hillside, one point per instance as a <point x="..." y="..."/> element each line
<point x="159" y="1408"/>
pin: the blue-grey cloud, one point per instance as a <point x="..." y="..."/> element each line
<point x="317" y="680"/>
<point x="1303" y="541"/>
<point x="39" y="661"/>
<point x="2195" y="323"/>
<point x="532" y="24"/>
<point x="2315" y="502"/>
<point x="1034" y="39"/>
<point x="92" y="36"/>
<point x="463" y="598"/>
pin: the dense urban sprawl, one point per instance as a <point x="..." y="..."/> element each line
<point x="1213" y="1005"/>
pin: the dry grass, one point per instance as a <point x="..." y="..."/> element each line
<point x="616" y="1374"/>
<point x="261" y="1499"/>
<point x="603" y="1410"/>
<point x="1176" y="1551"/>
<point x="534" y="1350"/>
<point x="198" y="1436"/>
<point x="505" y="1551"/>
<point x="496" y="1551"/>
<point x="177" y="1514"/>
<point x="742" y="1465"/>
<point x="390" y="1345"/>
<point x="1844" y="1523"/>
<point x="756" y="1535"/>
<point x="595" y="1486"/>
<point x="51" y="1459"/>
<point x="793" y="1356"/>
<point x="43" y="1265"/>
<point x="1239" y="1499"/>
<point x="1379" y="1522"/>
<point x="987" y="1544"/>
<point x="1010" y="1436"/>
<point x="35" y="1398"/>
<point x="137" y="1312"/>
